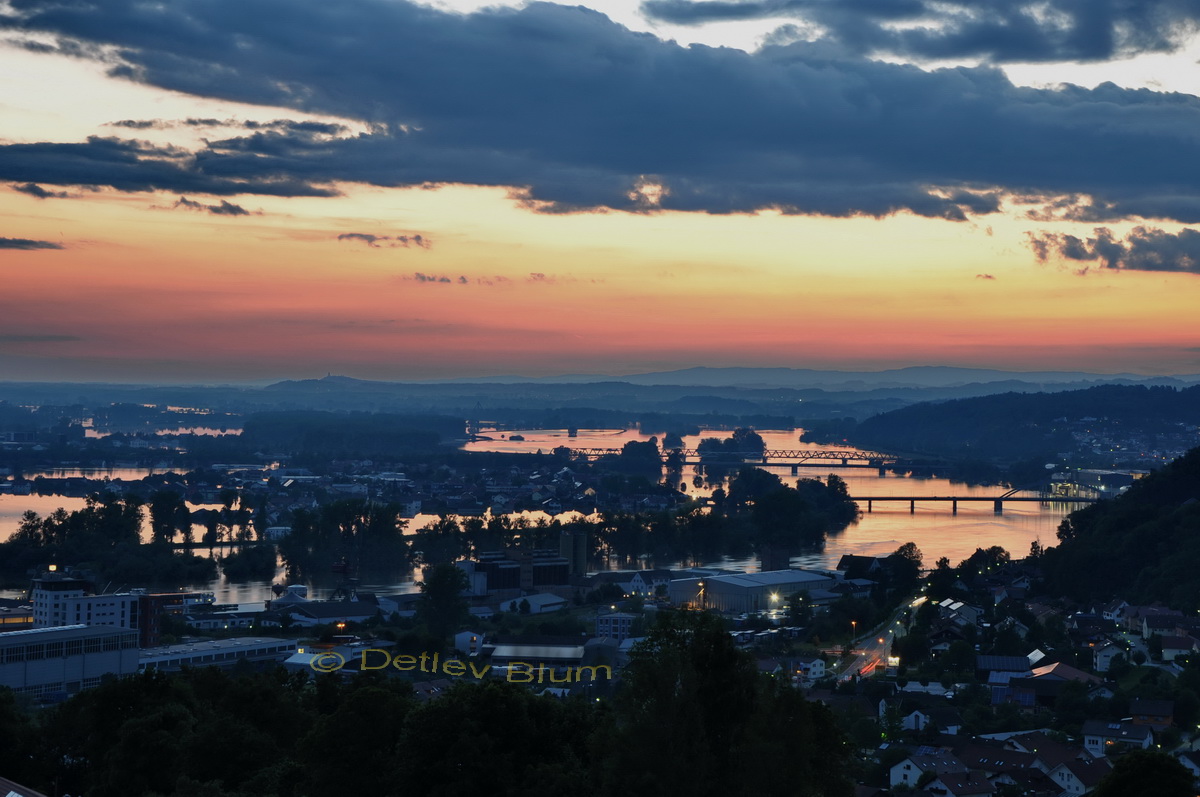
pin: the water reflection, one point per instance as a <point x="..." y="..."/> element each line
<point x="932" y="526"/>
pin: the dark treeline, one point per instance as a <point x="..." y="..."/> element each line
<point x="1142" y="545"/>
<point x="743" y="444"/>
<point x="1012" y="426"/>
<point x="347" y="434"/>
<point x="102" y="537"/>
<point x="718" y="728"/>
<point x="365" y="534"/>
<point x="758" y="512"/>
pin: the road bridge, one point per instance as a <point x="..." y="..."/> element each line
<point x="997" y="501"/>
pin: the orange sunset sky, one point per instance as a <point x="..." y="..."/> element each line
<point x="220" y="191"/>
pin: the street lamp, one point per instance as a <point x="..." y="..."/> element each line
<point x="853" y="629"/>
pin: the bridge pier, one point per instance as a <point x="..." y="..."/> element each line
<point x="869" y="504"/>
<point x="998" y="507"/>
<point x="883" y="471"/>
<point x="795" y="470"/>
<point x="912" y="507"/>
<point x="844" y="460"/>
<point x="954" y="507"/>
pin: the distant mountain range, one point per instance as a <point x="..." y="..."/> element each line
<point x="747" y="396"/>
<point x="924" y="376"/>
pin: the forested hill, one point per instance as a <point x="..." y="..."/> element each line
<point x="1142" y="546"/>
<point x="1012" y="426"/>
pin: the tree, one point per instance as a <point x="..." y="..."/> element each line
<point x="1154" y="645"/>
<point x="165" y="514"/>
<point x="687" y="682"/>
<point x="352" y="750"/>
<point x="910" y="552"/>
<point x="638" y="457"/>
<point x="1146" y="772"/>
<point x="476" y="739"/>
<point x="442" y="606"/>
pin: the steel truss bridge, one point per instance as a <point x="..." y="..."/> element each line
<point x="804" y="457"/>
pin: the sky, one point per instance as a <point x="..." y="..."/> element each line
<point x="210" y="191"/>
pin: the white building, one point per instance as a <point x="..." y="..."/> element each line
<point x="61" y="600"/>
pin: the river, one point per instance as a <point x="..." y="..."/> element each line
<point x="932" y="526"/>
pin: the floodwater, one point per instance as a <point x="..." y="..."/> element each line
<point x="935" y="530"/>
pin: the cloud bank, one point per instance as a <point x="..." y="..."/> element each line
<point x="27" y="244"/>
<point x="993" y="30"/>
<point x="392" y="241"/>
<point x="574" y="112"/>
<point x="1144" y="249"/>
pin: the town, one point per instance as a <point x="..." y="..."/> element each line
<point x="431" y="557"/>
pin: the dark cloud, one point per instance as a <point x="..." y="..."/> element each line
<point x="27" y="244"/>
<point x="37" y="338"/>
<point x="141" y="124"/>
<point x="139" y="166"/>
<point x="35" y="190"/>
<point x="573" y="112"/>
<point x="993" y="30"/>
<point x="226" y="208"/>
<point x="1144" y="249"/>
<point x="316" y="128"/>
<point x="393" y="241"/>
<point x="487" y="282"/>
<point x="419" y="277"/>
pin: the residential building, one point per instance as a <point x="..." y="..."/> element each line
<point x="1155" y="714"/>
<point x="1102" y="738"/>
<point x="910" y="770"/>
<point x="615" y="625"/>
<point x="809" y="668"/>
<point x="1079" y="777"/>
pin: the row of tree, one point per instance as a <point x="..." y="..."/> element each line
<point x="691" y="716"/>
<point x="105" y="537"/>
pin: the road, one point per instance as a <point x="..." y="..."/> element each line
<point x="871" y="650"/>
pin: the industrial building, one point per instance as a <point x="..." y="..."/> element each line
<point x="745" y="592"/>
<point x="216" y="653"/>
<point x="53" y="663"/>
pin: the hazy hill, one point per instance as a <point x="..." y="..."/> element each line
<point x="1017" y="425"/>
<point x="914" y="377"/>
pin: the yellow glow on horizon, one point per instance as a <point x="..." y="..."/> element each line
<point x="617" y="288"/>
